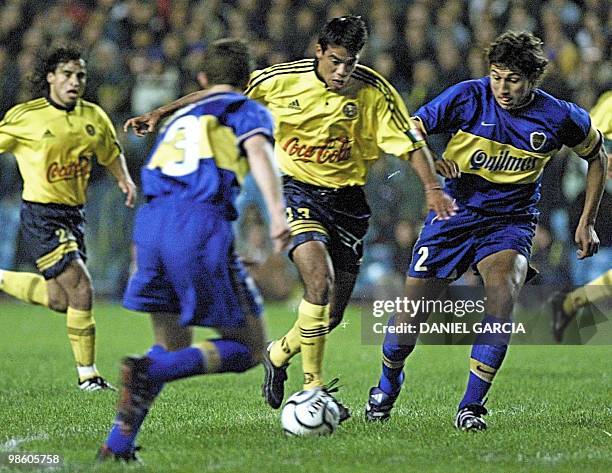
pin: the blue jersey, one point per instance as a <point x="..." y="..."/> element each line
<point x="502" y="153"/>
<point x="198" y="154"/>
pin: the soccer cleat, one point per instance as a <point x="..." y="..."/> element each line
<point x="379" y="405"/>
<point x="97" y="383"/>
<point x="273" y="387"/>
<point x="560" y="320"/>
<point x="331" y="389"/>
<point x="137" y="392"/>
<point x="105" y="453"/>
<point x="469" y="418"/>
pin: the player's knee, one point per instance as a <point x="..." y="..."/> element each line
<point x="58" y="303"/>
<point x="317" y="291"/>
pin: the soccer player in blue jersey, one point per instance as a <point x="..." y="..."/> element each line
<point x="187" y="272"/>
<point x="504" y="130"/>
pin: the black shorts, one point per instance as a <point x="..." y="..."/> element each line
<point x="55" y="235"/>
<point x="337" y="217"/>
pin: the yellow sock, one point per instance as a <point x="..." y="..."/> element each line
<point x="313" y="321"/>
<point x="27" y="287"/>
<point x="82" y="335"/>
<point x="287" y="347"/>
<point x="591" y="293"/>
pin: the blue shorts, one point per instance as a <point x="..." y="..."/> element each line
<point x="447" y="248"/>
<point x="185" y="264"/>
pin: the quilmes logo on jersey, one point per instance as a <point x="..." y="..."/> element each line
<point x="332" y="150"/>
<point x="57" y="172"/>
<point x="501" y="162"/>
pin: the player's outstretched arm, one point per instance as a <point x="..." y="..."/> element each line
<point x="146" y="123"/>
<point x="585" y="237"/>
<point x="261" y="160"/>
<point x="119" y="170"/>
<point x="437" y="200"/>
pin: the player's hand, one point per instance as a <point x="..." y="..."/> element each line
<point x="142" y="124"/>
<point x="280" y="234"/>
<point x="448" y="169"/>
<point x="129" y="189"/>
<point x="587" y="241"/>
<point x="441" y="203"/>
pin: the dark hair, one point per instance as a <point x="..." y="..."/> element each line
<point x="48" y="62"/>
<point x="349" y="32"/>
<point x="519" y="52"/>
<point x="227" y="61"/>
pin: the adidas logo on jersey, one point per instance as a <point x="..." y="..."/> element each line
<point x="295" y="105"/>
<point x="48" y="134"/>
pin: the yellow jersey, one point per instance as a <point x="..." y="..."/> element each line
<point x="601" y="115"/>
<point x="55" y="148"/>
<point x="328" y="138"/>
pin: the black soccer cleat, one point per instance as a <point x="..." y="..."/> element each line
<point x="469" y="418"/>
<point x="105" y="454"/>
<point x="330" y="389"/>
<point x="560" y="320"/>
<point x="137" y="392"/>
<point x="273" y="387"/>
<point x="379" y="405"/>
<point x="97" y="383"/>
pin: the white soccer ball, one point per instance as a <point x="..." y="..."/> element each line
<point x="311" y="412"/>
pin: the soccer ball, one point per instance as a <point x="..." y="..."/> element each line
<point x="311" y="412"/>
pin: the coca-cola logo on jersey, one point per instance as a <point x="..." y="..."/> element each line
<point x="57" y="172"/>
<point x="333" y="150"/>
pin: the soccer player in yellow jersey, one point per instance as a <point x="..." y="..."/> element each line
<point x="334" y="118"/>
<point x="56" y="139"/>
<point x="564" y="305"/>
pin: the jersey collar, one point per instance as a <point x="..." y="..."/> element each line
<point x="60" y="107"/>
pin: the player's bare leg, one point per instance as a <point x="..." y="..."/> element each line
<point x="73" y="287"/>
<point x="503" y="274"/>
<point x="340" y="296"/>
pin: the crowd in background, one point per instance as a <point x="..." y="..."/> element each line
<point x="143" y="53"/>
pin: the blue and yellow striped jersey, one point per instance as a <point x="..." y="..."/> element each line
<point x="502" y="153"/>
<point x="55" y="148"/>
<point x="328" y="138"/>
<point x="198" y="156"/>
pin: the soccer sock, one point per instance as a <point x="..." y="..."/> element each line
<point x="394" y="356"/>
<point x="313" y="321"/>
<point x="27" y="287"/>
<point x="212" y="356"/>
<point x="287" y="347"/>
<point x="82" y="334"/>
<point x="117" y="441"/>
<point x="488" y="353"/>
<point x="591" y="293"/>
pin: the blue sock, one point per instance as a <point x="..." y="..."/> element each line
<point x="119" y="442"/>
<point x="487" y="355"/>
<point x="395" y="352"/>
<point x="234" y="356"/>
<point x="172" y="365"/>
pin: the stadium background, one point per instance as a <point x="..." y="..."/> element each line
<point x="142" y="54"/>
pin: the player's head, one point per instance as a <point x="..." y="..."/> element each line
<point x="338" y="49"/>
<point x="516" y="65"/>
<point x="61" y="75"/>
<point x="226" y="61"/>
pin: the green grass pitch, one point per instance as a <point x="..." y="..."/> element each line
<point x="551" y="407"/>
